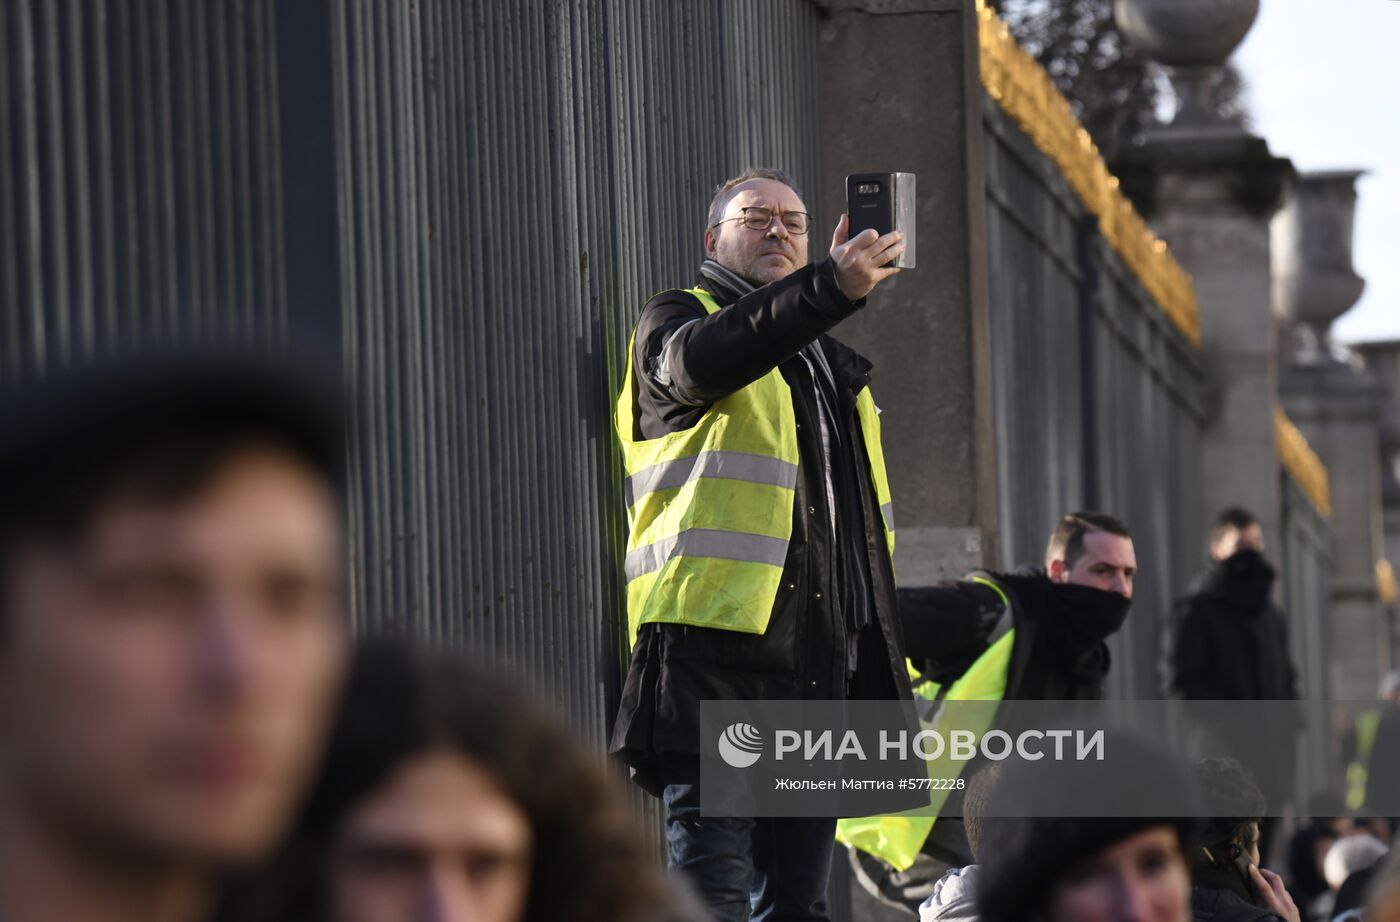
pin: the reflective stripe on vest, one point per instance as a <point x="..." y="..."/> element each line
<point x="897" y="839"/>
<point x="709" y="508"/>
<point x="869" y="416"/>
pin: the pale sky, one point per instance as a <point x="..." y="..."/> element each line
<point x="1324" y="90"/>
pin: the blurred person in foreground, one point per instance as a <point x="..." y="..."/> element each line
<point x="172" y="629"/>
<point x="1068" y="841"/>
<point x="1228" y="883"/>
<point x="761" y="529"/>
<point x="1349" y="867"/>
<point x="447" y="795"/>
<point x="1383" y="900"/>
<point x="1229" y="642"/>
<point x="1310" y="845"/>
<point x="1036" y="634"/>
<point x="954" y="896"/>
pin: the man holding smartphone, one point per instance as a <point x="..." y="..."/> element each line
<point x="758" y="560"/>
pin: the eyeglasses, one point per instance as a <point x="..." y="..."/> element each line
<point x="757" y="217"/>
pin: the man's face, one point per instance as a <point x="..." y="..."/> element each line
<point x="1107" y="563"/>
<point x="1140" y="879"/>
<point x="439" y="840"/>
<point x="1251" y="843"/>
<point x="1233" y="540"/>
<point x="759" y="256"/>
<point x="166" y="677"/>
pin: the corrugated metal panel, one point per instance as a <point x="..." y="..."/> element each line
<point x="1147" y="434"/>
<point x="1035" y="292"/>
<point x="514" y="181"/>
<point x="140" y="193"/>
<point x="507" y="181"/>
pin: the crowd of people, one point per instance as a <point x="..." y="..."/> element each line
<point x="188" y="731"/>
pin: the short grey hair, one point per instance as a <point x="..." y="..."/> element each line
<point x="723" y="190"/>
<point x="1351" y="854"/>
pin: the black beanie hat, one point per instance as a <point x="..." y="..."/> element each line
<point x="1096" y="804"/>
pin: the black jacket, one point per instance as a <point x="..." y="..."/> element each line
<point x="804" y="652"/>
<point x="1220" y="895"/>
<point x="1229" y="642"/>
<point x="1059" y="653"/>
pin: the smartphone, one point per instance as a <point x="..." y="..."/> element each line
<point x="885" y="202"/>
<point x="1242" y="864"/>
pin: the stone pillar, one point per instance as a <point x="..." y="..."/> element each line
<point x="1339" y="407"/>
<point x="901" y="91"/>
<point x="1211" y="196"/>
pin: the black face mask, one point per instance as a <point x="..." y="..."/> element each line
<point x="1244" y="579"/>
<point x="1079" y="620"/>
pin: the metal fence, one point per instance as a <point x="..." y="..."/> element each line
<point x="140" y="178"/>
<point x="1097" y="396"/>
<point x="465" y="204"/>
<point x="514" y="181"/>
<point x="1306" y="561"/>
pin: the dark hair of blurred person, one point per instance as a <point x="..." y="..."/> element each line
<point x="1224" y="883"/>
<point x="1095" y="860"/>
<point x="1310" y="844"/>
<point x="447" y="794"/>
<point x="172" y="628"/>
<point x="1234" y="528"/>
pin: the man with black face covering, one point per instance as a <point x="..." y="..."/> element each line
<point x="1229" y="642"/>
<point x="1037" y="634"/>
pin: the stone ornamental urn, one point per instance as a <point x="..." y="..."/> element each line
<point x="1193" y="37"/>
<point x="1314" y="282"/>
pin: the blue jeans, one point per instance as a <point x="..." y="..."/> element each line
<point x="768" y="870"/>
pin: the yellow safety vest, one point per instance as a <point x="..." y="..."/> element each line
<point x="897" y="838"/>
<point x="709" y="508"/>
<point x="1366" y="725"/>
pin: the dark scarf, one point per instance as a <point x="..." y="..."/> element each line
<point x="1074" y="622"/>
<point x="1243" y="581"/>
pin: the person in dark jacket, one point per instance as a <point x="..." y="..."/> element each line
<point x="1061" y="616"/>
<point x="1227" y="883"/>
<point x="1309" y="846"/>
<point x="1063" y="613"/>
<point x="1229" y="642"/>
<point x="832" y="629"/>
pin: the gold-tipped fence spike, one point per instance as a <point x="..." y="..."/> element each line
<point x="1301" y="462"/>
<point x="1385" y="582"/>
<point x="1025" y="92"/>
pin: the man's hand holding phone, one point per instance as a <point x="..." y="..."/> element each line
<point x="861" y="260"/>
